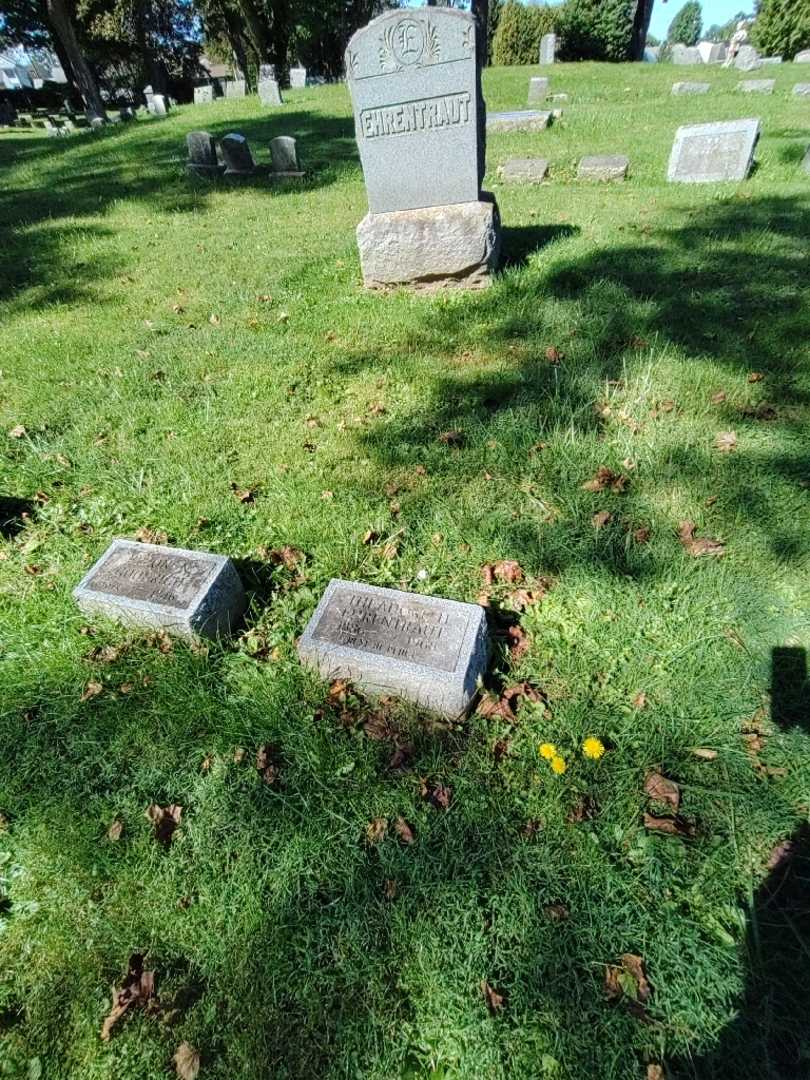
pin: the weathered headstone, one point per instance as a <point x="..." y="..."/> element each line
<point x="651" y="54"/>
<point x="284" y="155"/>
<point x="415" y="87"/>
<point x="236" y="155"/>
<point x="768" y="61"/>
<point x="538" y="89"/>
<point x="691" y="88"/>
<point x="747" y="58"/>
<point x="802" y="57"/>
<point x="203" y="95"/>
<point x="685" y="55"/>
<point x="548" y="48"/>
<point x="183" y="592"/>
<point x="423" y="648"/>
<point x="519" y="120"/>
<point x="269" y="92"/>
<point x="708" y="153"/>
<point x="801" y="89"/>
<point x="523" y="171"/>
<point x="298" y="78"/>
<point x="603" y="167"/>
<point x="235" y="88"/>
<point x="267" y="71"/>
<point x="756" y="86"/>
<point x="157" y="105"/>
<point x="202" y="154"/>
<point x="711" y="52"/>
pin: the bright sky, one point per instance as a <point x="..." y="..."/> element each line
<point x="714" y="11"/>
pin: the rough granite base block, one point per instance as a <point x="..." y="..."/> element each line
<point x="691" y="88"/>
<point x="519" y="120"/>
<point x="523" y="171"/>
<point x="186" y="593"/>
<point x="453" y="246"/>
<point x="756" y="86"/>
<point x="801" y="89"/>
<point x="603" y="167"/>
<point x="422" y="648"/>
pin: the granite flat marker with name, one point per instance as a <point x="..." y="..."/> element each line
<point x="425" y="649"/>
<point x="708" y="153"/>
<point x="603" y="167"/>
<point x="523" y="170"/>
<point x="691" y="88"/>
<point x="519" y="120"/>
<point x="756" y="86"/>
<point x="415" y="84"/>
<point x="183" y="592"/>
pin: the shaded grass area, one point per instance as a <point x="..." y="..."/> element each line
<point x="284" y="943"/>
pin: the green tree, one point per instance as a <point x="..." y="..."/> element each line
<point x="598" y="29"/>
<point x="520" y="28"/>
<point x="686" y="26"/>
<point x="782" y="27"/>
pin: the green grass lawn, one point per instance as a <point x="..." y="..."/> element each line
<point x="167" y="343"/>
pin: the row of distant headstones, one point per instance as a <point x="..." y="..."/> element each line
<point x="232" y="156"/>
<point x="539" y="88"/>
<point x="268" y="87"/>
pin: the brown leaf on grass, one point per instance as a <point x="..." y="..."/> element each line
<point x="500" y="750"/>
<point x="661" y="789"/>
<point x="605" y="480"/>
<point x="17" y="432"/>
<point x="704" y="754"/>
<point x="244" y="495"/>
<point x="518" y="642"/>
<point x="493" y="999"/>
<point x="438" y="795"/>
<point x="601" y="518"/>
<point x="390" y="889"/>
<point x="642" y="534"/>
<point x="585" y="808"/>
<point x="266" y="764"/>
<point x="556" y="912"/>
<point x="725" y="441"/>
<point x="553" y="355"/>
<point x="159" y="640"/>
<point x="137" y="990"/>
<point x="755" y="376"/>
<point x="763" y="411"/>
<point x="655" y="1072"/>
<point x="676" y="826"/>
<point x="115" y="830"/>
<point x="532" y="827"/>
<point x="506" y="570"/>
<point x="239" y="755"/>
<point x="698" y="546"/>
<point x="781" y="855"/>
<point x="186" y="1061"/>
<point x="93" y="689"/>
<point x="376" y="830"/>
<point x="506" y="706"/>
<point x="404" y="831"/>
<point x="401" y="758"/>
<point x="214" y="319"/>
<point x="105" y="654"/>
<point x="719" y="397"/>
<point x="370" y="537"/>
<point x="165" y="820"/>
<point x="146" y="535"/>
<point x="451" y="438"/>
<point x="628" y="981"/>
<point x="378" y="726"/>
<point x="289" y="557"/>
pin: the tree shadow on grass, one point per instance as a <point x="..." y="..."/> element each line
<point x="82" y="176"/>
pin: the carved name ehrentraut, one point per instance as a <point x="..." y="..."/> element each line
<point x="429" y="114"/>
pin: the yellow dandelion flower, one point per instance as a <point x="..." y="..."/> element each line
<point x="558" y="765"/>
<point x="593" y="748"/>
<point x="547" y="750"/>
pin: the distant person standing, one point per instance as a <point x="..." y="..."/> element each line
<point x="738" y="38"/>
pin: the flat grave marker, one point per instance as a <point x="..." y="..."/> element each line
<point x="691" y="88"/>
<point x="519" y="120"/>
<point x="709" y="153"/>
<point x="523" y="170"/>
<point x="756" y="86"/>
<point x="603" y="167"/>
<point x="801" y="89"/>
<point x="183" y="592"/>
<point x="423" y="648"/>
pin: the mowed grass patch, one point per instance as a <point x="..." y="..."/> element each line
<point x="171" y="344"/>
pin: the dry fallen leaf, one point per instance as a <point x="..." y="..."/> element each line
<point x="655" y="1072"/>
<point x="607" y="479"/>
<point x="376" y="830"/>
<point x="493" y="999"/>
<point x="370" y="537"/>
<point x="289" y="557"/>
<point x="755" y="376"/>
<point x="165" y="820"/>
<point x="601" y="518"/>
<point x="698" y="546"/>
<point x="506" y="570"/>
<point x="518" y="642"/>
<point x="553" y="355"/>
<point x="137" y="989"/>
<point x="404" y="831"/>
<point x="719" y="397"/>
<point x="661" y="789"/>
<point x="556" y="912"/>
<point x="266" y="765"/>
<point x="676" y="826"/>
<point x="17" y="432"/>
<point x="451" y="438"/>
<point x="244" y="495"/>
<point x="726" y="441"/>
<point x="438" y="795"/>
<point x="93" y="689"/>
<point x="627" y="981"/>
<point x="390" y="889"/>
<point x="214" y="319"/>
<point x="704" y="754"/>
<point x="151" y="536"/>
<point x="186" y="1061"/>
<point x="115" y="830"/>
<point x="640" y="700"/>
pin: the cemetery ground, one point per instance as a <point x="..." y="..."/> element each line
<point x="609" y="444"/>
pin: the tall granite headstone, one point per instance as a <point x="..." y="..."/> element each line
<point x="548" y="48"/>
<point x="423" y="648"/>
<point x="419" y="119"/>
<point x="709" y="153"/>
<point x="173" y="589"/>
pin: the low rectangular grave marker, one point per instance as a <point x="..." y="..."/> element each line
<point x="603" y="167"/>
<point x="423" y="648"/>
<point x="523" y="170"/>
<point x="519" y="120"/>
<point x="708" y="153"/>
<point x="174" y="589"/>
<point x="691" y="88"/>
<point x="756" y="86"/>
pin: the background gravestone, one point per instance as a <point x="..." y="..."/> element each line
<point x="235" y="88"/>
<point x="183" y="592"/>
<point x="685" y="55"/>
<point x="419" y="121"/>
<point x="711" y="52"/>
<point x="203" y="95"/>
<point x="267" y="71"/>
<point x="801" y="89"/>
<point x="284" y="155"/>
<point x="708" y="153"/>
<point x="538" y="89"/>
<point x="519" y="120"/>
<point x="423" y="648"/>
<point x="603" y="167"/>
<point x="548" y="48"/>
<point x="298" y="78"/>
<point x="523" y="170"/>
<point x="802" y="57"/>
<point x="756" y="86"/>
<point x="157" y="105"/>
<point x="269" y="92"/>
<point x="691" y="88"/>
<point x="202" y="154"/>
<point x="747" y="58"/>
<point x="236" y="155"/>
